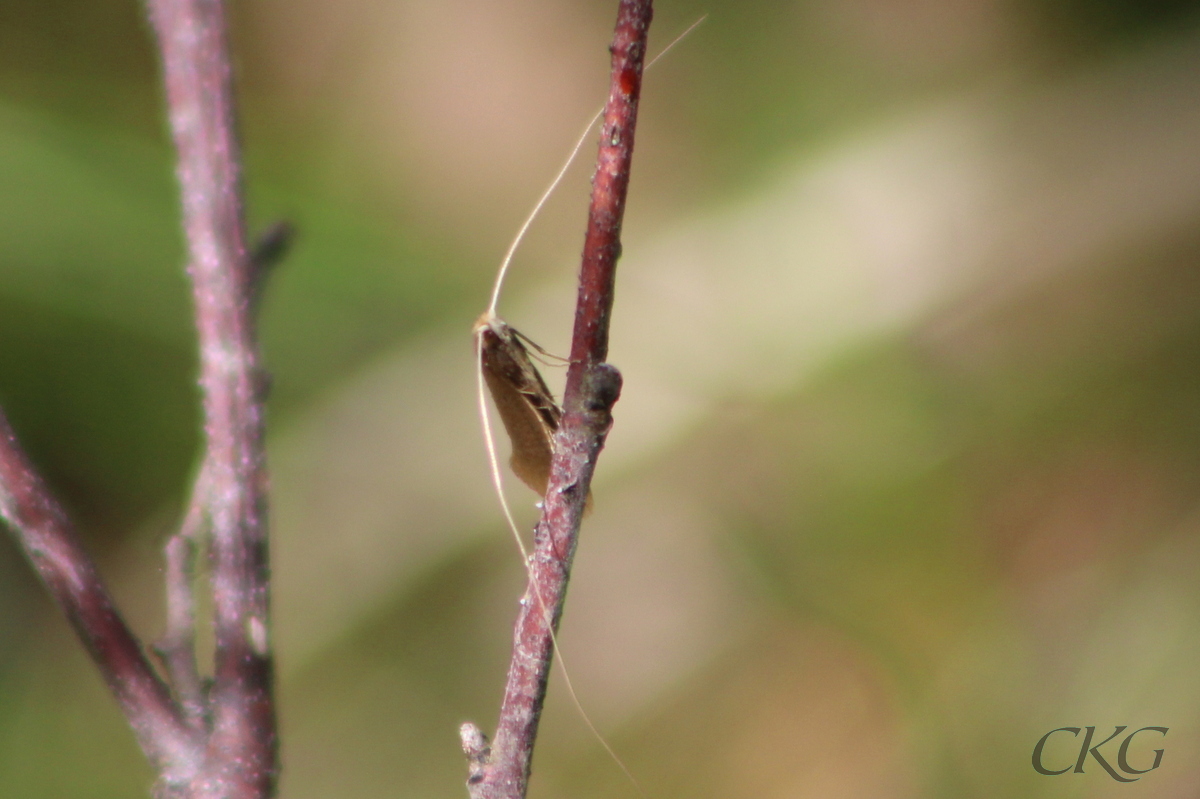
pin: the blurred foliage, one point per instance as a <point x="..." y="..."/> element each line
<point x="949" y="539"/>
<point x="1107" y="22"/>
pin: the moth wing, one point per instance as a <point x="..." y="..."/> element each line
<point x="526" y="407"/>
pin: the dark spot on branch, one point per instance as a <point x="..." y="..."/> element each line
<point x="270" y="249"/>
<point x="273" y="245"/>
<point x="602" y="388"/>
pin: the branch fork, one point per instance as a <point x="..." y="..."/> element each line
<point x="208" y="739"/>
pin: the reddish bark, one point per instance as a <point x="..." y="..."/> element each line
<point x="592" y="388"/>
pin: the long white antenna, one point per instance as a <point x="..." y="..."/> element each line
<point x="537" y="209"/>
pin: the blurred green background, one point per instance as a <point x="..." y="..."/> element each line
<point x="905" y="473"/>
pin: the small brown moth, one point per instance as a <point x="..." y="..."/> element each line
<point x="526" y="406"/>
<point x="522" y="398"/>
<point x="524" y="402"/>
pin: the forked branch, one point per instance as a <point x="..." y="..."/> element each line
<point x="220" y="743"/>
<point x="41" y="528"/>
<point x="196" y="70"/>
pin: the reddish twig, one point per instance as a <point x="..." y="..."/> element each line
<point x="592" y="387"/>
<point x="43" y="531"/>
<point x="196" y="67"/>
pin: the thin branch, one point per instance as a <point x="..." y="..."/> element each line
<point x="237" y="759"/>
<point x="177" y="648"/>
<point x="193" y="42"/>
<point x="592" y="388"/>
<point x="43" y="531"/>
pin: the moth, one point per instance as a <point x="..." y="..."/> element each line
<point x="527" y="408"/>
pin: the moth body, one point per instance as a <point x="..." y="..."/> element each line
<point x="524" y="402"/>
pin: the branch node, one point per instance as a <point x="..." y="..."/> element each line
<point x="601" y="390"/>
<point x="475" y="746"/>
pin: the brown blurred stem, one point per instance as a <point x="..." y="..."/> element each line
<point x="196" y="70"/>
<point x="222" y="746"/>
<point x="502" y="772"/>
<point x="177" y="648"/>
<point x="43" y="531"/>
